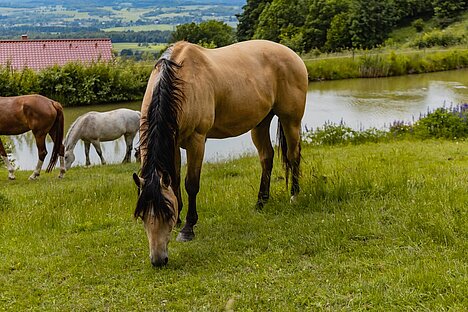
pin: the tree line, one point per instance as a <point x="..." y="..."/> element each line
<point x="332" y="25"/>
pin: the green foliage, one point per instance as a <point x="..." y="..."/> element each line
<point x="335" y="25"/>
<point x="248" y="19"/>
<point x="332" y="134"/>
<point x="275" y="19"/>
<point x="78" y="84"/>
<point x="446" y="10"/>
<point x="210" y="32"/>
<point x="418" y="24"/>
<point x="447" y="123"/>
<point x="440" y="38"/>
<point x="369" y="64"/>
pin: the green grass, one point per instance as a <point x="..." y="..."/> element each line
<point x="377" y="227"/>
<point x="142" y="27"/>
<point x="377" y="63"/>
<point x="119" y="46"/>
<point x="403" y="36"/>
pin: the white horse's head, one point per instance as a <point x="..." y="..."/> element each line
<point x="69" y="159"/>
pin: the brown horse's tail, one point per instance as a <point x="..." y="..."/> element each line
<point x="57" y="136"/>
<point x="283" y="147"/>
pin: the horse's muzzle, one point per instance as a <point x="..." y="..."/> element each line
<point x="159" y="261"/>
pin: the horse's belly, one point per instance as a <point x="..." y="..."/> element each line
<point x="228" y="130"/>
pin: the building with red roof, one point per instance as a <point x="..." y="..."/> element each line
<point x="39" y="54"/>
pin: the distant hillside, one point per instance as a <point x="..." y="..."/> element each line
<point x="98" y="3"/>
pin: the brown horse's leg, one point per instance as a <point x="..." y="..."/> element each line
<point x="176" y="185"/>
<point x="11" y="170"/>
<point x="61" y="152"/>
<point x="262" y="141"/>
<point x="42" y="153"/>
<point x="195" y="152"/>
<point x="292" y="133"/>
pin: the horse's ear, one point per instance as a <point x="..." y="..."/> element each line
<point x="138" y="181"/>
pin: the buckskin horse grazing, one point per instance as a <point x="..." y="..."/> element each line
<point x="42" y="116"/>
<point x="96" y="127"/>
<point x="195" y="93"/>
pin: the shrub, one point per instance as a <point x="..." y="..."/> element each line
<point x="79" y="84"/>
<point x="447" y="123"/>
<point x="438" y="38"/>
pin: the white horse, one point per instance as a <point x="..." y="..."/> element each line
<point x="94" y="128"/>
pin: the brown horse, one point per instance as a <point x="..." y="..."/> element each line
<point x="43" y="116"/>
<point x="194" y="94"/>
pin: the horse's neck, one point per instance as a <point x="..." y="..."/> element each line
<point x="74" y="134"/>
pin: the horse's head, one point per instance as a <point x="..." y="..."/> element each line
<point x="157" y="208"/>
<point x="69" y="158"/>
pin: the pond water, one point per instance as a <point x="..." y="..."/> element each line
<point x="359" y="103"/>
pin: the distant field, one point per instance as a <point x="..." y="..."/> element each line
<point x="134" y="46"/>
<point x="142" y="28"/>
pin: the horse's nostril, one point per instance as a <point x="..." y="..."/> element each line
<point x="160" y="262"/>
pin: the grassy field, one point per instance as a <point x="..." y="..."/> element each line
<point x="142" y="27"/>
<point x="119" y="46"/>
<point x="377" y="227"/>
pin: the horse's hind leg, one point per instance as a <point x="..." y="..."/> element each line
<point x="42" y="152"/>
<point x="261" y="139"/>
<point x="61" y="152"/>
<point x="129" y="144"/>
<point x="292" y="135"/>
<point x="11" y="170"/>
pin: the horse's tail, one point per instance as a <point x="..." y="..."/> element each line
<point x="283" y="147"/>
<point x="57" y="132"/>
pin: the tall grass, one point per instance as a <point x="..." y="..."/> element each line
<point x="376" y="226"/>
<point x="385" y="64"/>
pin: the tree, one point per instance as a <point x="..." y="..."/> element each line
<point x="248" y="19"/>
<point x="371" y="21"/>
<point x="338" y="36"/>
<point x="319" y="19"/>
<point x="446" y="10"/>
<point x="278" y="15"/>
<point x="208" y="33"/>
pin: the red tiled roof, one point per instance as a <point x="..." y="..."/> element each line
<point x="39" y="54"/>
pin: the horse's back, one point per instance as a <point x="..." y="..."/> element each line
<point x="108" y="126"/>
<point x="19" y="114"/>
<point x="239" y="85"/>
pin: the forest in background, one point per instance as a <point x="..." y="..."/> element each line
<point x="333" y="25"/>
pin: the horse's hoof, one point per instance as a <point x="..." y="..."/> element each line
<point x="259" y="205"/>
<point x="293" y="199"/>
<point x="11" y="178"/>
<point x="185" y="237"/>
<point x="32" y="178"/>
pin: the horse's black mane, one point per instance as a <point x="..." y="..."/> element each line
<point x="161" y="140"/>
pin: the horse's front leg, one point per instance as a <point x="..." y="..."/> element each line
<point x="11" y="170"/>
<point x="87" y="146"/>
<point x="176" y="185"/>
<point x="261" y="139"/>
<point x="195" y="151"/>
<point x="42" y="152"/>
<point x="97" y="147"/>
